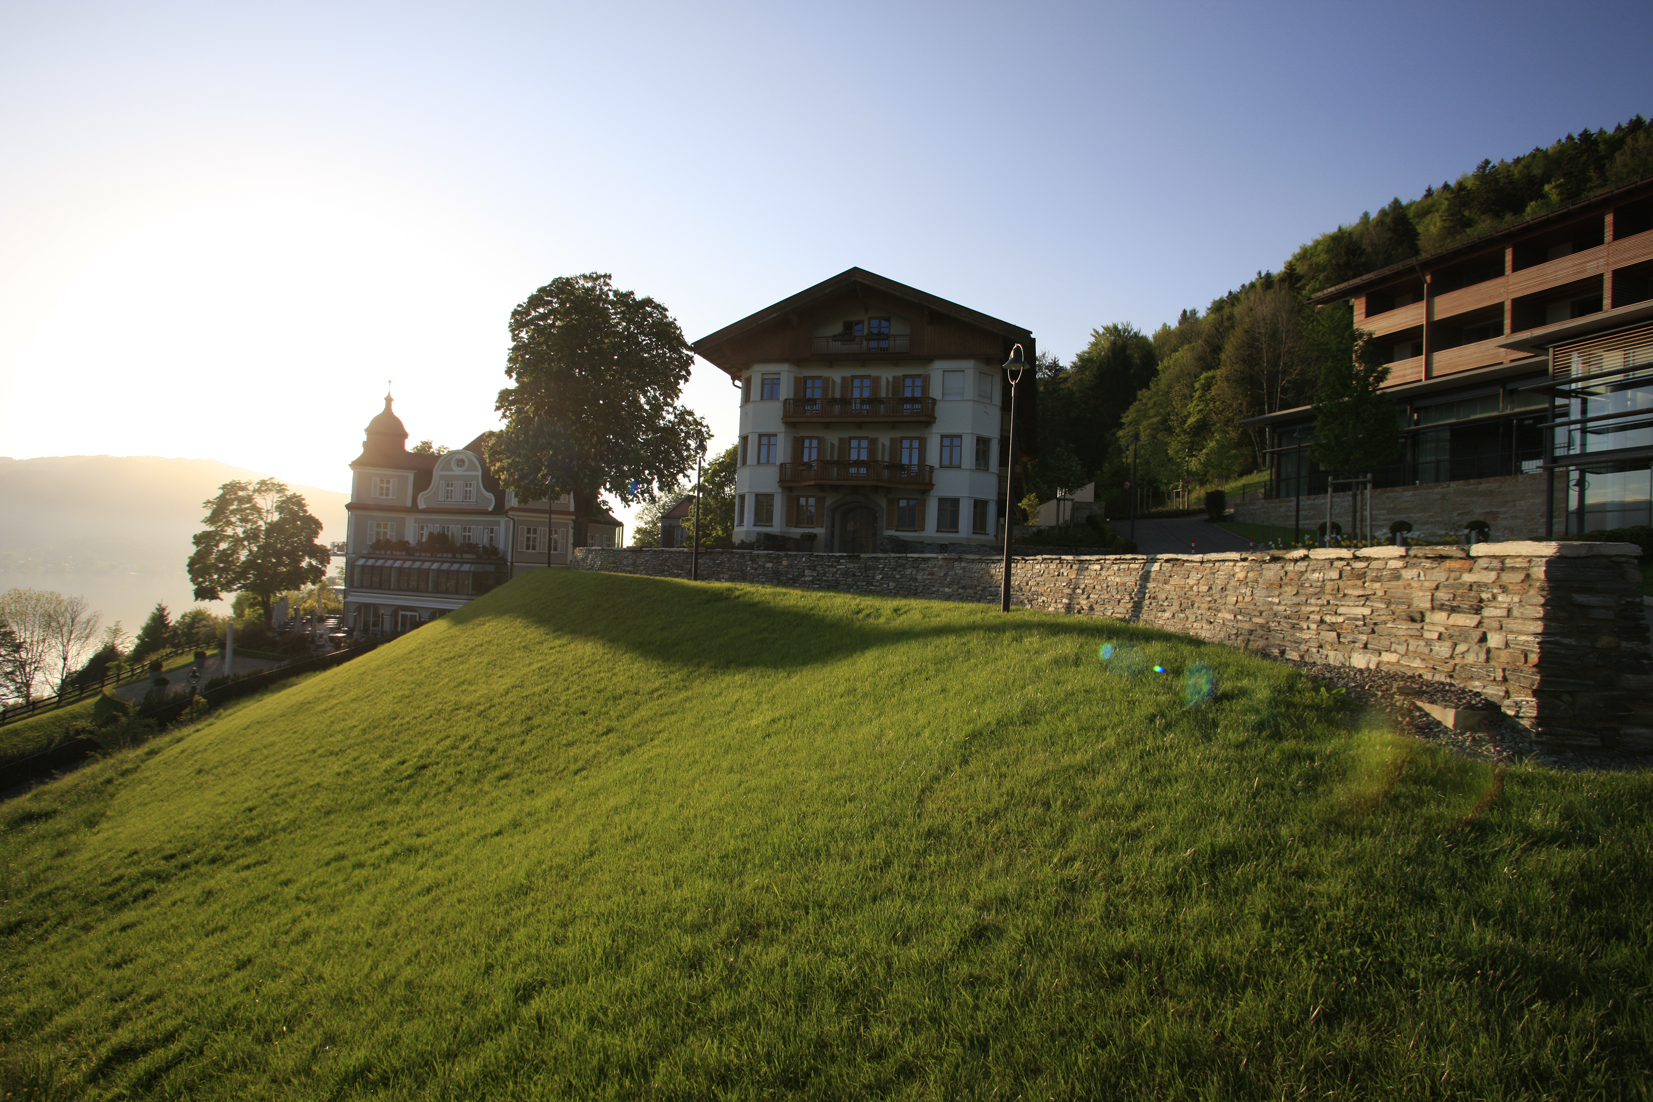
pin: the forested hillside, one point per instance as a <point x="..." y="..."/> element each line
<point x="1183" y="391"/>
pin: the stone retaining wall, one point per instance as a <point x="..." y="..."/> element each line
<point x="1553" y="632"/>
<point x="1513" y="506"/>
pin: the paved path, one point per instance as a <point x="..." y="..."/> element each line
<point x="1171" y="537"/>
<point x="179" y="678"/>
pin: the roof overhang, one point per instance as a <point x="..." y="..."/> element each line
<point x="1495" y="374"/>
<point x="1349" y="288"/>
<point x="788" y="310"/>
<point x="1541" y="340"/>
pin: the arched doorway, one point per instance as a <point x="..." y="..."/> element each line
<point x="857" y="530"/>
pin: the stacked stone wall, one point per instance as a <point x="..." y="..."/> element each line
<point x="1555" y="633"/>
<point x="1513" y="506"/>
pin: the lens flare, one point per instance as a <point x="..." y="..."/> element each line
<point x="1199" y="684"/>
<point x="1106" y="652"/>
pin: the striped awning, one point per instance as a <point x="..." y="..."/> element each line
<point x="430" y="564"/>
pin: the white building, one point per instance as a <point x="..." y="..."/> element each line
<point x="871" y="409"/>
<point x="427" y="534"/>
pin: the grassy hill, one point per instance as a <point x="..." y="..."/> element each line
<point x="614" y="837"/>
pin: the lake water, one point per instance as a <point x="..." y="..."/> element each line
<point x="128" y="598"/>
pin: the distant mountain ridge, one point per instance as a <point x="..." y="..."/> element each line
<point x="119" y="514"/>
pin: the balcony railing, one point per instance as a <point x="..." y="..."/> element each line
<point x="839" y="345"/>
<point x="858" y="472"/>
<point x="859" y="409"/>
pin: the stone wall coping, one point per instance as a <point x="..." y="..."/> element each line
<point x="1526" y="549"/>
<point x="1566" y="549"/>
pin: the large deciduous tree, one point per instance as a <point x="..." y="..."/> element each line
<point x="259" y="538"/>
<point x="594" y="408"/>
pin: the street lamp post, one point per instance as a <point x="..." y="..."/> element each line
<point x="1013" y="369"/>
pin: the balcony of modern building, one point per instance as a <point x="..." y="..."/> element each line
<point x="1557" y="257"/>
<point x="1633" y="283"/>
<point x="817" y="411"/>
<point x="1393" y="348"/>
<point x="1393" y="307"/>
<point x="1468" y="284"/>
<point x="1556" y="303"/>
<point x="858" y="472"/>
<point x="1463" y="342"/>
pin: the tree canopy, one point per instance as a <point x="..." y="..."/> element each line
<point x="258" y="538"/>
<point x="45" y="633"/>
<point x="594" y="407"/>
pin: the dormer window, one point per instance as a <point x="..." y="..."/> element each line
<point x="384" y="487"/>
<point x="458" y="490"/>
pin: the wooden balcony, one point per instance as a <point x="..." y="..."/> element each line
<point x="879" y="344"/>
<point x="815" y="411"/>
<point x="859" y="472"/>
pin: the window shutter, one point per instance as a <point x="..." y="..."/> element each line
<point x="876" y="393"/>
<point x="797" y="386"/>
<point x="895" y="449"/>
<point x="889" y="514"/>
<point x="926" y="385"/>
<point x="844" y="387"/>
<point x="791" y="520"/>
<point x="843" y="448"/>
<point x="919" y="513"/>
<point x="923" y="445"/>
<point x="797" y="449"/>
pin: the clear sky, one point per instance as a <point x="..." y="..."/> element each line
<point x="224" y="226"/>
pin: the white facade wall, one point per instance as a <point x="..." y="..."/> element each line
<point x="974" y="413"/>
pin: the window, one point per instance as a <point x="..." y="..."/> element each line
<point x="860" y="391"/>
<point x="766" y="447"/>
<point x="952" y="384"/>
<point x="530" y="539"/>
<point x="384" y="530"/>
<point x="984" y="453"/>
<point x="978" y="518"/>
<point x="859" y="454"/>
<point x="808" y="509"/>
<point x="952" y="451"/>
<point x="912" y="386"/>
<point x="559" y="539"/>
<point x="490" y="536"/>
<point x="878" y="334"/>
<point x="740" y="510"/>
<point x="763" y="510"/>
<point x="947" y="514"/>
<point x="812" y="394"/>
<point x="384" y="487"/>
<point x="809" y="449"/>
<point x="458" y="490"/>
<point x="744" y="441"/>
<point x="908" y="514"/>
<point x="771" y="388"/>
<point x="597" y="536"/>
<point x="745" y="390"/>
<point x="912" y="451"/>
<point x="984" y="386"/>
<point x="467" y="534"/>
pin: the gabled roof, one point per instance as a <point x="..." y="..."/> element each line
<point x="849" y="280"/>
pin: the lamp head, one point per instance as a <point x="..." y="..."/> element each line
<point x="1015" y="364"/>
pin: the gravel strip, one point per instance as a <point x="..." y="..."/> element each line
<point x="1502" y="739"/>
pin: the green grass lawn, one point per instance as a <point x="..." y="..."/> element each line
<point x="611" y="837"/>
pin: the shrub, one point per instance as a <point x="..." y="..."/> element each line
<point x="1400" y="526"/>
<point x="1216" y="503"/>
<point x="108" y="709"/>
